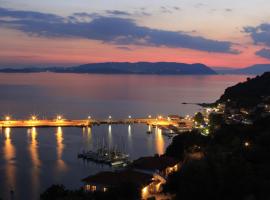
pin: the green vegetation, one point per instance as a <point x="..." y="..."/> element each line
<point x="184" y="143"/>
<point x="215" y="121"/>
<point x="199" y="118"/>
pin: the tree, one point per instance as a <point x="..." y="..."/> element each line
<point x="215" y="121"/>
<point x="54" y="192"/>
<point x="199" y="118"/>
<point x="184" y="142"/>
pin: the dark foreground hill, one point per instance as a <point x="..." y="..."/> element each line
<point x="159" y="68"/>
<point x="249" y="93"/>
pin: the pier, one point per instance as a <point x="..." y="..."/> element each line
<point x="59" y="121"/>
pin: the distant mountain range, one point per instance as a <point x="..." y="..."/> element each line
<point x="159" y="68"/>
<point x="254" y="69"/>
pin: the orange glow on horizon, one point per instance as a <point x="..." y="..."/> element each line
<point x="74" y="52"/>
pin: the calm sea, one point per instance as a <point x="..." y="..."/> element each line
<point x="33" y="159"/>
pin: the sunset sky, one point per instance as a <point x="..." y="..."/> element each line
<point x="218" y="33"/>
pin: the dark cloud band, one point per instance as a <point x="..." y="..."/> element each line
<point x="259" y="34"/>
<point x="264" y="53"/>
<point x="110" y="29"/>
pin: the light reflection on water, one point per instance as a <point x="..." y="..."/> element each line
<point x="160" y="144"/>
<point x="61" y="165"/>
<point x="33" y="147"/>
<point x="130" y="137"/>
<point x="38" y="162"/>
<point x="110" y="137"/>
<point x="9" y="154"/>
<point x="47" y="94"/>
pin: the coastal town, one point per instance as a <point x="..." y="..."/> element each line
<point x="151" y="176"/>
<point x="134" y="100"/>
<point x="154" y="177"/>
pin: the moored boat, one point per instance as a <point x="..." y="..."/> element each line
<point x="106" y="156"/>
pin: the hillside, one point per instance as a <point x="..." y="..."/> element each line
<point x="249" y="93"/>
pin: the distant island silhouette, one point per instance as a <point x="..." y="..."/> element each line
<point x="158" y="68"/>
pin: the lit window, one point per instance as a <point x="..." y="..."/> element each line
<point x="88" y="187"/>
<point x="94" y="188"/>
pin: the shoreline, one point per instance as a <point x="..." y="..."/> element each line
<point x="204" y="105"/>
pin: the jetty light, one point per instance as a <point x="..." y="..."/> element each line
<point x="129" y="117"/>
<point x="34" y="118"/>
<point x="247" y="144"/>
<point x="59" y="117"/>
<point x="7" y="118"/>
<point x="110" y="117"/>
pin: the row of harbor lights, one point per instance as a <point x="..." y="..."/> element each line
<point x="59" y="117"/>
<point x="129" y="117"/>
<point x="34" y="118"/>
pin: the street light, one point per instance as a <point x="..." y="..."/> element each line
<point x="247" y="144"/>
<point x="7" y="118"/>
<point x="129" y="117"/>
<point x="59" y="117"/>
<point x="89" y="117"/>
<point x="33" y="118"/>
<point x="110" y="117"/>
<point x="149" y="116"/>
